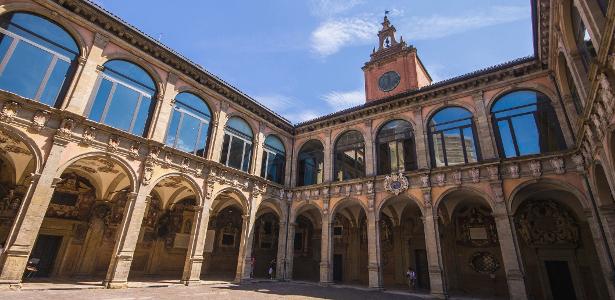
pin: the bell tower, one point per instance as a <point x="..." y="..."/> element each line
<point x="394" y="68"/>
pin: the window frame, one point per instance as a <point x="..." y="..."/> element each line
<point x="301" y="171"/>
<point x="202" y="122"/>
<point x="412" y="153"/>
<point x="235" y="134"/>
<point x="355" y="147"/>
<point x="267" y="151"/>
<point x="431" y="132"/>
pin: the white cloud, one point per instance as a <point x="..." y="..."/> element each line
<point x="438" y="26"/>
<point x="332" y="7"/>
<point x="275" y="102"/>
<point x="287" y="107"/>
<point x="302" y="116"/>
<point x="332" y="35"/>
<point x="341" y="100"/>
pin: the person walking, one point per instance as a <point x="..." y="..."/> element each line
<point x="411" y="276"/>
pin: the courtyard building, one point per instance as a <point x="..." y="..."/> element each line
<point x="122" y="160"/>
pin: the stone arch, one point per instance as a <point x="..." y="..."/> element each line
<point x="244" y="117"/>
<point x="189" y="179"/>
<point x="209" y="101"/>
<point x="603" y="185"/>
<point x="133" y="59"/>
<point x="270" y="204"/>
<point x="437" y="108"/>
<point x="242" y="202"/>
<point x="537" y="87"/>
<point x="35" y="150"/>
<point x="347" y="201"/>
<point x="313" y="138"/>
<point x="342" y="132"/>
<point x="581" y="205"/>
<point x="391" y="198"/>
<point x="301" y="208"/>
<point x="471" y="191"/>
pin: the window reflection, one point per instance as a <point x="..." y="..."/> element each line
<point x="189" y="127"/>
<point x="349" y="156"/>
<point x="274" y="160"/>
<point x="123" y="97"/>
<point x="237" y="144"/>
<point x="310" y="166"/>
<point x="395" y="146"/>
<point x="451" y="137"/>
<point x="36" y="57"/>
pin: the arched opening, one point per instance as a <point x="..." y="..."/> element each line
<point x="525" y="123"/>
<point x="452" y="138"/>
<point x="265" y="243"/>
<point x="310" y="163"/>
<point x="237" y="144"/>
<point x="605" y="195"/>
<point x="570" y="87"/>
<point x="582" y="38"/>
<point x="274" y="160"/>
<point x="189" y="127"/>
<point x="81" y="224"/>
<point x="165" y="232"/>
<point x="473" y="258"/>
<point x="396" y="148"/>
<point x="350" y="244"/>
<point x="402" y="244"/>
<point x="556" y="245"/>
<point x="349" y="156"/>
<point x="306" y="245"/>
<point x="38" y="57"/>
<point x="224" y="236"/>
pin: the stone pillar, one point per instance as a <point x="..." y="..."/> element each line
<point x="511" y="257"/>
<point x="196" y="245"/>
<point x="432" y="246"/>
<point x="24" y="231"/>
<point x="328" y="158"/>
<point x="487" y="147"/>
<point x="290" y="251"/>
<point x="326" y="250"/>
<point x="602" y="252"/>
<point x="217" y="133"/>
<point x="373" y="250"/>
<point x="420" y="138"/>
<point x="126" y="241"/>
<point x="244" y="267"/>
<point x="281" y="254"/>
<point x="257" y="152"/>
<point x="86" y="82"/>
<point x="164" y="110"/>
<point x="370" y="152"/>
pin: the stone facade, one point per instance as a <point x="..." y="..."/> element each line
<point x="92" y="200"/>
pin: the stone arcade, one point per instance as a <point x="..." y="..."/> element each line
<point x="122" y="160"/>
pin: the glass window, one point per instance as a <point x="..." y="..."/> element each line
<point x="526" y="124"/>
<point x="452" y="137"/>
<point x="237" y="144"/>
<point x="274" y="160"/>
<point x="189" y="127"/>
<point x="582" y="38"/>
<point x="123" y="97"/>
<point x="349" y="156"/>
<point x="36" y="57"/>
<point x="395" y="146"/>
<point x="310" y="164"/>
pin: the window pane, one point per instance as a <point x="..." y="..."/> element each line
<point x="271" y="168"/>
<point x="438" y="150"/>
<point x="454" y="150"/>
<point x="526" y="134"/>
<point x="5" y="43"/>
<point x="470" y="146"/>
<point x="507" y="140"/>
<point x="172" y="131"/>
<point x="384" y="161"/>
<point x="202" y="145"/>
<point x="246" y="157"/>
<point x="236" y="153"/>
<point x="188" y="133"/>
<point x="225" y="148"/>
<point x="25" y="70"/>
<point x="142" y="116"/>
<point x="122" y="108"/>
<point x="55" y="82"/>
<point x="394" y="156"/>
<point x="101" y="98"/>
<point x="264" y="164"/>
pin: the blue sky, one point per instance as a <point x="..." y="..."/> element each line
<point x="303" y="58"/>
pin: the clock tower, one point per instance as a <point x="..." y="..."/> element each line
<point x="394" y="68"/>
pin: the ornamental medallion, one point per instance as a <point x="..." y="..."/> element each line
<point x="396" y="183"/>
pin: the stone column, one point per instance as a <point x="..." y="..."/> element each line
<point x="511" y="257"/>
<point x="194" y="256"/>
<point x="217" y="133"/>
<point x="257" y="152"/>
<point x="485" y="139"/>
<point x="244" y="267"/>
<point x="281" y="254"/>
<point x="290" y="251"/>
<point x="328" y="157"/>
<point x="370" y="153"/>
<point x="422" y="149"/>
<point x="24" y="231"/>
<point x="164" y="110"/>
<point x="432" y="246"/>
<point x="326" y="250"/>
<point x="373" y="250"/>
<point x="86" y="82"/>
<point x="127" y="237"/>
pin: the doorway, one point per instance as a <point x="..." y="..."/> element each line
<point x="46" y="249"/>
<point x="422" y="269"/>
<point x="337" y="267"/>
<point x="560" y="280"/>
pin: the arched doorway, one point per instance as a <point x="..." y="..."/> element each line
<point x="402" y="243"/>
<point x="306" y="244"/>
<point x="471" y="253"/>
<point x="350" y="245"/>
<point x="265" y="242"/>
<point x="556" y="245"/>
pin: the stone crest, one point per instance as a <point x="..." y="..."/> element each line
<point x="396" y="183"/>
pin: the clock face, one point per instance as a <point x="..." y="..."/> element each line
<point x="388" y="81"/>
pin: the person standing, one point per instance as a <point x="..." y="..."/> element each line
<point x="411" y="276"/>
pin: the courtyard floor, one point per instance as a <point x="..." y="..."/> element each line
<point x="208" y="290"/>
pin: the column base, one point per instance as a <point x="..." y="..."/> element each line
<point x="116" y="284"/>
<point x="325" y="283"/>
<point x="191" y="282"/>
<point x="10" y="286"/>
<point x="438" y="295"/>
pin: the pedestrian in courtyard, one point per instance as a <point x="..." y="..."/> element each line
<point x="252" y="262"/>
<point x="411" y="276"/>
<point x="271" y="272"/>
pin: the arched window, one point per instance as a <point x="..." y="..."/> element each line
<point x="237" y="144"/>
<point x="525" y="123"/>
<point x="274" y="160"/>
<point x="572" y="87"/>
<point x="349" y="156"/>
<point x="310" y="163"/>
<point x="582" y="37"/>
<point x="451" y="137"/>
<point x="396" y="148"/>
<point x="123" y="97"/>
<point x="189" y="126"/>
<point x="37" y="57"/>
